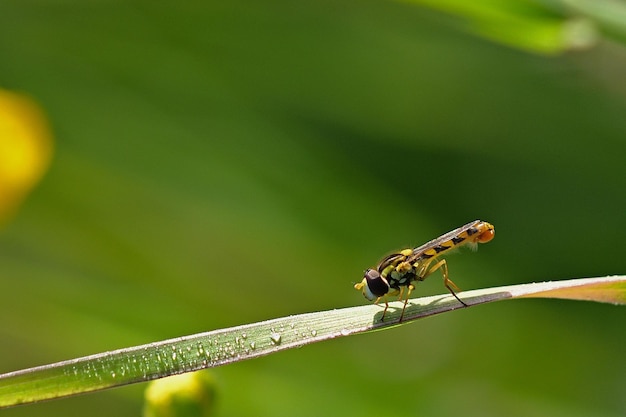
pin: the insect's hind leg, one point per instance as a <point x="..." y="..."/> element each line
<point x="451" y="286"/>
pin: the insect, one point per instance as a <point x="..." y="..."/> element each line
<point x="395" y="273"/>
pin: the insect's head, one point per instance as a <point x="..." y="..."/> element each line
<point x="373" y="285"/>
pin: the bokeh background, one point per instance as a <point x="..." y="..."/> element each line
<point x="220" y="163"/>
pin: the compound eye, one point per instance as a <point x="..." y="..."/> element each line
<point x="377" y="285"/>
<point x="371" y="274"/>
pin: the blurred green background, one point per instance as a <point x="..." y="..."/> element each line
<point x="225" y="163"/>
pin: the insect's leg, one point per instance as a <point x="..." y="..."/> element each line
<point x="422" y="269"/>
<point x="406" y="300"/>
<point x="401" y="293"/>
<point x="451" y="286"/>
<point x="386" y="306"/>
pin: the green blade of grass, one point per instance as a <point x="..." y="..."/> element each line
<point x="219" y="347"/>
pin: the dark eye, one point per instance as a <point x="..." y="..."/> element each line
<point x="376" y="283"/>
<point x="372" y="274"/>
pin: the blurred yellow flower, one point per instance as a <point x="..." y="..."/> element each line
<point x="25" y="149"/>
<point x="185" y="395"/>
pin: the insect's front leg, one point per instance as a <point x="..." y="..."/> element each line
<point x="391" y="292"/>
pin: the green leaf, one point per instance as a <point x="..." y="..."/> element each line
<point x="543" y="27"/>
<point x="220" y="347"/>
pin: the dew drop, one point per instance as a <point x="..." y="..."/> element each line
<point x="252" y="345"/>
<point x="313" y="333"/>
<point x="345" y="332"/>
<point x="275" y="338"/>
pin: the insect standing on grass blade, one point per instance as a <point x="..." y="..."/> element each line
<point x="396" y="273"/>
